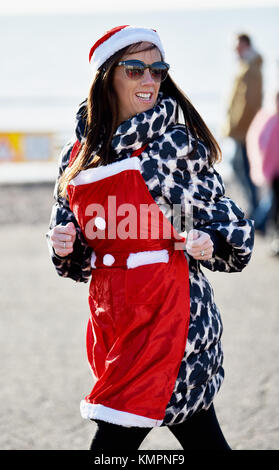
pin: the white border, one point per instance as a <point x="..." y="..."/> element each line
<point x="147" y="257"/>
<point x="96" y="174"/>
<point x="110" y="415"/>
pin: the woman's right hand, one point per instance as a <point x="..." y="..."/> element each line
<point x="62" y="238"/>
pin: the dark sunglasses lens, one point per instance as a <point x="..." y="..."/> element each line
<point x="134" y="72"/>
<point x="158" y="74"/>
<point x="159" y="71"/>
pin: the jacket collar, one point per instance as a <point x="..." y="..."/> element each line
<point x="138" y="130"/>
<point x="145" y="127"/>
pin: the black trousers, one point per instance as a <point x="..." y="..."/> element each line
<point x="200" y="432"/>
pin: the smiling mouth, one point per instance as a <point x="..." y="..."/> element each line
<point x="145" y="97"/>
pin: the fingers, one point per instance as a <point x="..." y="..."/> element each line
<point x="199" y="245"/>
<point x="71" y="229"/>
<point x="62" y="238"/>
<point x="68" y="229"/>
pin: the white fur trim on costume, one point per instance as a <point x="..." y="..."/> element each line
<point x="96" y="174"/>
<point x="110" y="415"/>
<point x="124" y="37"/>
<point x="147" y="257"/>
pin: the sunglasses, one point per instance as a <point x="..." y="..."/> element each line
<point x="134" y="69"/>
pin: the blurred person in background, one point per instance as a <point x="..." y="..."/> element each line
<point x="154" y="332"/>
<point x="244" y="103"/>
<point x="263" y="154"/>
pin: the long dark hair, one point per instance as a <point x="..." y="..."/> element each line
<point x="102" y="119"/>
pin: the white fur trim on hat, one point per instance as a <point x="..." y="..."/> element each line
<point x="124" y="37"/>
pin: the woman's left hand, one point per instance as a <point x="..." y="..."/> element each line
<point x="199" y="245"/>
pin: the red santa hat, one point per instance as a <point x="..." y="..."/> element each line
<point x="119" y="37"/>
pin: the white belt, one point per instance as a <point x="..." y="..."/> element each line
<point x="134" y="260"/>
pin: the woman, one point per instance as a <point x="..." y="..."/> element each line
<point x="153" y="337"/>
<point x="263" y="153"/>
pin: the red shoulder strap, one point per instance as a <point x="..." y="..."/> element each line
<point x="77" y="146"/>
<point x="74" y="152"/>
<point x="137" y="152"/>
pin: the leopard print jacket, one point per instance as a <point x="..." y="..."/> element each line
<point x="173" y="177"/>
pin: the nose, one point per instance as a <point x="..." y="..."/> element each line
<point x="147" y="78"/>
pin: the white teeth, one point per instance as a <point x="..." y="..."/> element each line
<point x="145" y="96"/>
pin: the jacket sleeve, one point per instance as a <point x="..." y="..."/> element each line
<point x="77" y="265"/>
<point x="198" y="187"/>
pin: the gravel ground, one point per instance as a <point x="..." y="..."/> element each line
<point x="43" y="359"/>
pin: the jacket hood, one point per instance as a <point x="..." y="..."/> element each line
<point x="81" y="117"/>
<point x="257" y="61"/>
<point x="252" y="57"/>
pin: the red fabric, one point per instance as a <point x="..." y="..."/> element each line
<point x="139" y="320"/>
<point x="104" y="38"/>
<point x="74" y="152"/>
<point x="137" y="152"/>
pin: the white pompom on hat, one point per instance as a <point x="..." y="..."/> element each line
<point x="119" y="37"/>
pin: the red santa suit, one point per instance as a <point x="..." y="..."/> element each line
<point x="138" y="296"/>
